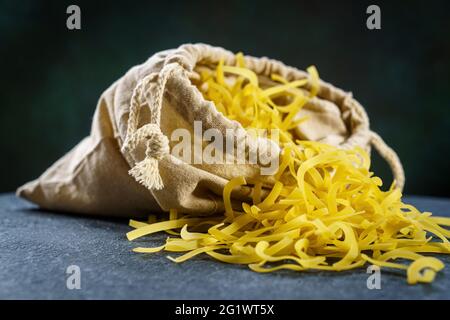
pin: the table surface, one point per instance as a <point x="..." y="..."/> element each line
<point x="37" y="247"/>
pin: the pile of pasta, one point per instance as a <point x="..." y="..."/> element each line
<point x="329" y="213"/>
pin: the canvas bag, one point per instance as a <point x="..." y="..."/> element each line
<point x="125" y="168"/>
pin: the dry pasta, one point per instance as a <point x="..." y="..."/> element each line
<point x="326" y="210"/>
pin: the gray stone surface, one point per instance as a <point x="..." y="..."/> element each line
<point x="36" y="247"/>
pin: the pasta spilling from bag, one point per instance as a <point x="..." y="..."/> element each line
<point x="325" y="209"/>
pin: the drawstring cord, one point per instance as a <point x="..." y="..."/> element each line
<point x="391" y="158"/>
<point x="146" y="171"/>
<point x="388" y="154"/>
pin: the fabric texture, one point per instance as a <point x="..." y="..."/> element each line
<point x="125" y="168"/>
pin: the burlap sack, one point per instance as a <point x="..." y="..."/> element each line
<point x="138" y="112"/>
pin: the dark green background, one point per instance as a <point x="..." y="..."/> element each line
<point x="51" y="77"/>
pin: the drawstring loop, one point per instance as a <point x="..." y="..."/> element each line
<point x="391" y="157"/>
<point x="146" y="171"/>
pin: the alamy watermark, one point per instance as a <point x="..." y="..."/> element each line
<point x="73" y="21"/>
<point x="373" y="21"/>
<point x="374" y="280"/>
<point x="233" y="146"/>
<point x="73" y="280"/>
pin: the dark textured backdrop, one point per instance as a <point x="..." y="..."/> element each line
<point x="51" y="77"/>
